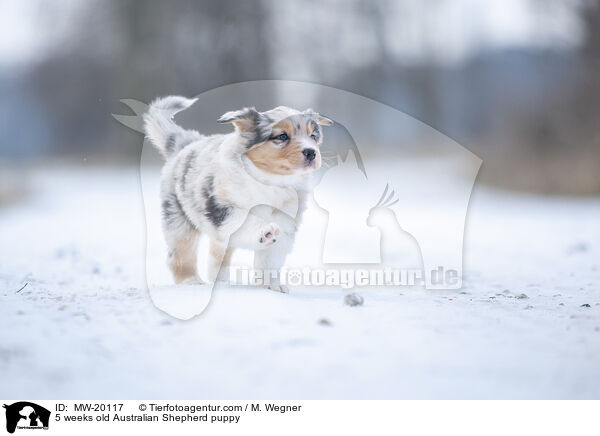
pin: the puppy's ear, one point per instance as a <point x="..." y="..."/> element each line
<point x="244" y="120"/>
<point x="320" y="119"/>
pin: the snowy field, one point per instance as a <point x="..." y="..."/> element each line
<point x="525" y="325"/>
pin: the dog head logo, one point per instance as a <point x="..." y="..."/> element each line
<point x="26" y="415"/>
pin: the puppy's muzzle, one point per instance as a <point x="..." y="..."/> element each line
<point x="309" y="154"/>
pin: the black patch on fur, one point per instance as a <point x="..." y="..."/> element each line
<point x="172" y="211"/>
<point x="186" y="167"/>
<point x="171" y="143"/>
<point x="316" y="130"/>
<point x="168" y="210"/>
<point x="262" y="129"/>
<point x="215" y="212"/>
<point x="176" y="143"/>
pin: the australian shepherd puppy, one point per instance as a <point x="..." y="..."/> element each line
<point x="246" y="189"/>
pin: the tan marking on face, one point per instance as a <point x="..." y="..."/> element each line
<point x="284" y="126"/>
<point x="273" y="159"/>
<point x="282" y="160"/>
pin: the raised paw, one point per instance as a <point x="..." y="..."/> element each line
<point x="268" y="235"/>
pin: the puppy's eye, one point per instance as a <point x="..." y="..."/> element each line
<point x="314" y="137"/>
<point x="283" y="137"/>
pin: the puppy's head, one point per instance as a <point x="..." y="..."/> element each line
<point x="280" y="141"/>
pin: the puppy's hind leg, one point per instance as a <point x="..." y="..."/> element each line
<point x="183" y="256"/>
<point x="182" y="241"/>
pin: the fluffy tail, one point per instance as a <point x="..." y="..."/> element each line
<point x="162" y="131"/>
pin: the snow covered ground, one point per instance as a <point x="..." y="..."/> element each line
<point x="525" y="325"/>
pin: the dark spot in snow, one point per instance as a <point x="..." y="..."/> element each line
<point x="585" y="305"/>
<point x="324" y="322"/>
<point x="522" y="297"/>
<point x="579" y="247"/>
<point x="83" y="315"/>
<point x="354" y="300"/>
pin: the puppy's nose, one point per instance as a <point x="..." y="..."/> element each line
<point x="309" y="154"/>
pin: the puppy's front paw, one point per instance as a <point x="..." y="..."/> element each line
<point x="268" y="235"/>
<point x="278" y="288"/>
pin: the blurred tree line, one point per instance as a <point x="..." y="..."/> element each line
<point x="530" y="113"/>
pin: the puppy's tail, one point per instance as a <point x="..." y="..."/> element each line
<point x="162" y="131"/>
